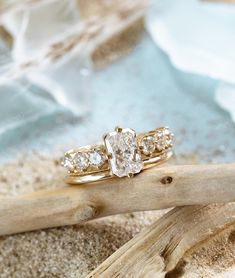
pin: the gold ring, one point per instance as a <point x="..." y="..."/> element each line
<point x="122" y="154"/>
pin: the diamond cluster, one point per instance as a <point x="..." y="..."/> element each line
<point x="156" y="141"/>
<point x="84" y="160"/>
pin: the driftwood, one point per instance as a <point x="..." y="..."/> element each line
<point x="156" y="251"/>
<point x="156" y="188"/>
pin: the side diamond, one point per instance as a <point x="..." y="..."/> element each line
<point x="81" y="161"/>
<point x="68" y="162"/>
<point x="148" y="145"/>
<point x="164" y="139"/>
<point x="97" y="158"/>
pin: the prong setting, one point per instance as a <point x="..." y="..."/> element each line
<point x="118" y="129"/>
<point x="130" y="175"/>
<point x="123" y="146"/>
<point x="110" y="155"/>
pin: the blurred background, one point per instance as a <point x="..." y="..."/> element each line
<point x="72" y="70"/>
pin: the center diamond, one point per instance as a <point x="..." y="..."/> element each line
<point x="125" y="156"/>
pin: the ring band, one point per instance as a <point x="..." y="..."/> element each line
<point x="123" y="154"/>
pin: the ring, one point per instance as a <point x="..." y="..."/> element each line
<point x="123" y="153"/>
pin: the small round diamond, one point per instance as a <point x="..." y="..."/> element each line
<point x="164" y="139"/>
<point x="81" y="161"/>
<point x="96" y="158"/>
<point x="68" y="162"/>
<point x="148" y="145"/>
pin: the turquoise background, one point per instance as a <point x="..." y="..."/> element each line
<point x="142" y="90"/>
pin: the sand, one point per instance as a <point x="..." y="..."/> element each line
<point x="74" y="251"/>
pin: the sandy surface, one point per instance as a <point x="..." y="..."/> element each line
<point x="76" y="250"/>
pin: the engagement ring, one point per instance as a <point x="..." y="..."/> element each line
<point x="122" y="154"/>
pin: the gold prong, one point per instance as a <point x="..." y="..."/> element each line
<point x="104" y="136"/>
<point x="100" y="167"/>
<point x="109" y="155"/>
<point x="130" y="175"/>
<point x="118" y="129"/>
<point x="141" y="148"/>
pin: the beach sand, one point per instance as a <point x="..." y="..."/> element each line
<point x="74" y="251"/>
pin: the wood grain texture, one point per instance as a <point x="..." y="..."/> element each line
<point x="156" y="188"/>
<point x="156" y="251"/>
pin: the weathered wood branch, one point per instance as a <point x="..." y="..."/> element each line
<point x="156" y="251"/>
<point x="156" y="188"/>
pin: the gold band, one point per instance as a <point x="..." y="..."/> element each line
<point x="122" y="154"/>
<point x="106" y="174"/>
